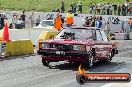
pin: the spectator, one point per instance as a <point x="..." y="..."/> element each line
<point x="93" y="21"/>
<point x="75" y="8"/>
<point x="130" y="23"/>
<point x="98" y="23"/>
<point x="72" y="7"/>
<point x="115" y="8"/>
<point x="62" y="20"/>
<point x="19" y="23"/>
<point x="94" y="8"/>
<point x="38" y="20"/>
<point x="15" y="19"/>
<point x="80" y="7"/>
<point x="108" y="9"/>
<point x="103" y="9"/>
<point x="99" y="9"/>
<point x="127" y="7"/>
<point x="119" y="10"/>
<point x="62" y="6"/>
<point x="88" y="22"/>
<point x="90" y="8"/>
<point x="130" y="10"/>
<point x="123" y="10"/>
<point x="23" y="16"/>
<point x="0" y="22"/>
<point x="32" y="19"/>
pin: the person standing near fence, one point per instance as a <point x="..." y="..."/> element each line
<point x="62" y="20"/>
<point x="58" y="22"/>
<point x="62" y="6"/>
<point x="0" y="22"/>
<point x="103" y="9"/>
<point x="23" y="17"/>
<point x="119" y="10"/>
<point x="15" y="20"/>
<point x="38" y="19"/>
<point x="94" y="8"/>
<point x="75" y="7"/>
<point x="31" y="18"/>
<point x="99" y="22"/>
<point x="123" y="10"/>
<point x="72" y="7"/>
<point x="130" y="23"/>
<point x="115" y="8"/>
<point x="91" y="8"/>
<point x="108" y="9"/>
<point x="80" y="7"/>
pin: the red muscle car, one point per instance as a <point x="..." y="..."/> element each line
<point x="83" y="45"/>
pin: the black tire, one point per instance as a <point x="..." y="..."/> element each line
<point x="45" y="63"/>
<point x="81" y="79"/>
<point x="109" y="57"/>
<point x="112" y="53"/>
<point x="90" y="60"/>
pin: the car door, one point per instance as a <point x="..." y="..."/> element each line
<point x="101" y="45"/>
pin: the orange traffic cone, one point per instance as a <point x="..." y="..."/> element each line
<point x="5" y="37"/>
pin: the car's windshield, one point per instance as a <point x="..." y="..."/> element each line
<point x="76" y="34"/>
<point x="47" y="23"/>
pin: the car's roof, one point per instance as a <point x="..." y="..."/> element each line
<point x="90" y="28"/>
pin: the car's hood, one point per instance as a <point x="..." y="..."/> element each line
<point x="64" y="41"/>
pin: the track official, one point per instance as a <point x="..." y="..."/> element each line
<point x="58" y="22"/>
<point x="69" y="18"/>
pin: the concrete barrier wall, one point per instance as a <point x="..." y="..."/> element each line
<point x="19" y="47"/>
<point x="45" y="35"/>
<point x="33" y="34"/>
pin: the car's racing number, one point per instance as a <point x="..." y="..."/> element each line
<point x="60" y="53"/>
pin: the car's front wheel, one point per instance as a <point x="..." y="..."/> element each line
<point x="45" y="63"/>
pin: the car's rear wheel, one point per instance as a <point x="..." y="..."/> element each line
<point x="45" y="63"/>
<point x="90" y="60"/>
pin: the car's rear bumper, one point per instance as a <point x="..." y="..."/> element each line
<point x="69" y="56"/>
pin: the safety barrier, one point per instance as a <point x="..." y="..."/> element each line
<point x="33" y="34"/>
<point x="19" y="47"/>
<point x="46" y="35"/>
<point x="130" y="36"/>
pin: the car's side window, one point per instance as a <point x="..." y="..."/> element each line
<point x="98" y="35"/>
<point x="104" y="36"/>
